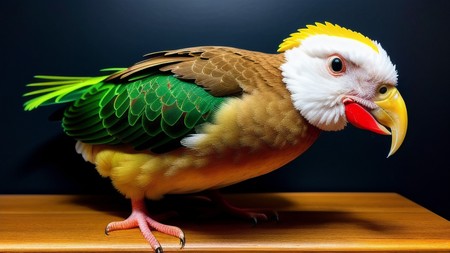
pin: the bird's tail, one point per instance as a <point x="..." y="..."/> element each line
<point x="61" y="89"/>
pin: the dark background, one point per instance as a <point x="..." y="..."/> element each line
<point x="79" y="37"/>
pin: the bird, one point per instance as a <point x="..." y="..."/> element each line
<point x="202" y="118"/>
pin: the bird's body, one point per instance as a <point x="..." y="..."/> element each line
<point x="145" y="174"/>
<point x="238" y="144"/>
<point x="200" y="118"/>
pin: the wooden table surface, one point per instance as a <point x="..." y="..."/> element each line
<point x="320" y="222"/>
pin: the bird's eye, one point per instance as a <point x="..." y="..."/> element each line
<point x="336" y="65"/>
<point x="383" y="89"/>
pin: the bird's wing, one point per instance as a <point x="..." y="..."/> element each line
<point x="154" y="112"/>
<point x="222" y="71"/>
<point x="157" y="102"/>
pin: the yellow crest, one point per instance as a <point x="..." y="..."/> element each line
<point x="324" y="29"/>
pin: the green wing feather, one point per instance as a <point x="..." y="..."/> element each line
<point x="149" y="112"/>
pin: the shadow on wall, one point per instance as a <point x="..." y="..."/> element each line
<point x="56" y="166"/>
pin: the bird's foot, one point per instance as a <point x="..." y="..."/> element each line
<point x="254" y="215"/>
<point x="140" y="218"/>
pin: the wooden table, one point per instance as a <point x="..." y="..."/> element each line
<point x="320" y="222"/>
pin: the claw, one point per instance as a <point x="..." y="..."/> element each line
<point x="182" y="241"/>
<point x="159" y="250"/>
<point x="254" y="221"/>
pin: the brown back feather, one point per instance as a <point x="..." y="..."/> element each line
<point x="222" y="71"/>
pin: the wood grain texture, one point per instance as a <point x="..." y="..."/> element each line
<point x="320" y="222"/>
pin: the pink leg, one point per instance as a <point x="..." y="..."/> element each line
<point x="139" y="218"/>
<point x="247" y="213"/>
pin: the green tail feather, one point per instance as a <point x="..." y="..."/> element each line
<point x="61" y="89"/>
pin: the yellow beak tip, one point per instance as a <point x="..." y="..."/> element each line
<point x="393" y="114"/>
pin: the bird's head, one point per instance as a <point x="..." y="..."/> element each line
<point x="336" y="76"/>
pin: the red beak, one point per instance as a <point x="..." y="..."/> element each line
<point x="361" y="118"/>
